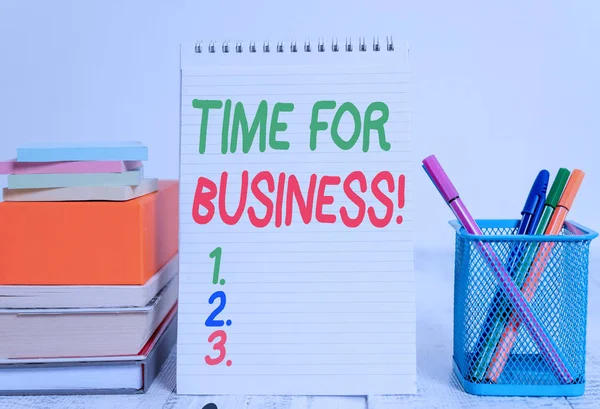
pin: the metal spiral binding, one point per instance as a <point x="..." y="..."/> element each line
<point x="293" y="48"/>
<point x="307" y="45"/>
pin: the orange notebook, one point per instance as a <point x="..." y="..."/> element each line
<point x="89" y="243"/>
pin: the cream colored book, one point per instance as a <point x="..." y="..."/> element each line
<point x="81" y="193"/>
<point x="83" y="332"/>
<point x="120" y="374"/>
<point x="87" y="296"/>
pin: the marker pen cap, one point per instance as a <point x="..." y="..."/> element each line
<point x="557" y="187"/>
<point x="568" y="196"/>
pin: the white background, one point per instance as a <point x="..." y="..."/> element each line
<point x="499" y="90"/>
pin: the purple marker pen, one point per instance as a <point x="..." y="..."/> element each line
<point x="442" y="182"/>
<point x="450" y="194"/>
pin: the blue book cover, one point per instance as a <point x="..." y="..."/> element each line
<point x="80" y="151"/>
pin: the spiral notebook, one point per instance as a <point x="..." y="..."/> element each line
<point x="296" y="253"/>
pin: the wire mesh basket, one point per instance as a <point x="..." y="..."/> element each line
<point x="493" y="353"/>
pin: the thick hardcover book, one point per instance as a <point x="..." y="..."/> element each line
<point x="102" y="375"/>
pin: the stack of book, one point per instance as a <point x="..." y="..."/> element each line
<point x="88" y="270"/>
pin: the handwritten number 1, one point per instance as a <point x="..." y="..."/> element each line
<point x="216" y="254"/>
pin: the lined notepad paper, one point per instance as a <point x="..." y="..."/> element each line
<point x="282" y="301"/>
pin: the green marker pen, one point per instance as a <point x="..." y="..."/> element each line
<point x="552" y="199"/>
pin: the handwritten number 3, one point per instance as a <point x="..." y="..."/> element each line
<point x="219" y="346"/>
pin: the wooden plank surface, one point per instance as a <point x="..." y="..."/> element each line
<point x="438" y="388"/>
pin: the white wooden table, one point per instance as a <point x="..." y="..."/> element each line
<point x="438" y="388"/>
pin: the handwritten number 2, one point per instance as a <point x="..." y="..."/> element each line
<point x="219" y="346"/>
<point x="210" y="321"/>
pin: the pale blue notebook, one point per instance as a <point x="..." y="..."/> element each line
<point x="37" y="181"/>
<point x="71" y="151"/>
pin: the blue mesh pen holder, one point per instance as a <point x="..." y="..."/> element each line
<point x="493" y="353"/>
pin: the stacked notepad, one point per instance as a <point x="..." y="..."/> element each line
<point x="84" y="172"/>
<point x="88" y="270"/>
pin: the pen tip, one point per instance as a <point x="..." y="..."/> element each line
<point x="568" y="196"/>
<point x="429" y="158"/>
